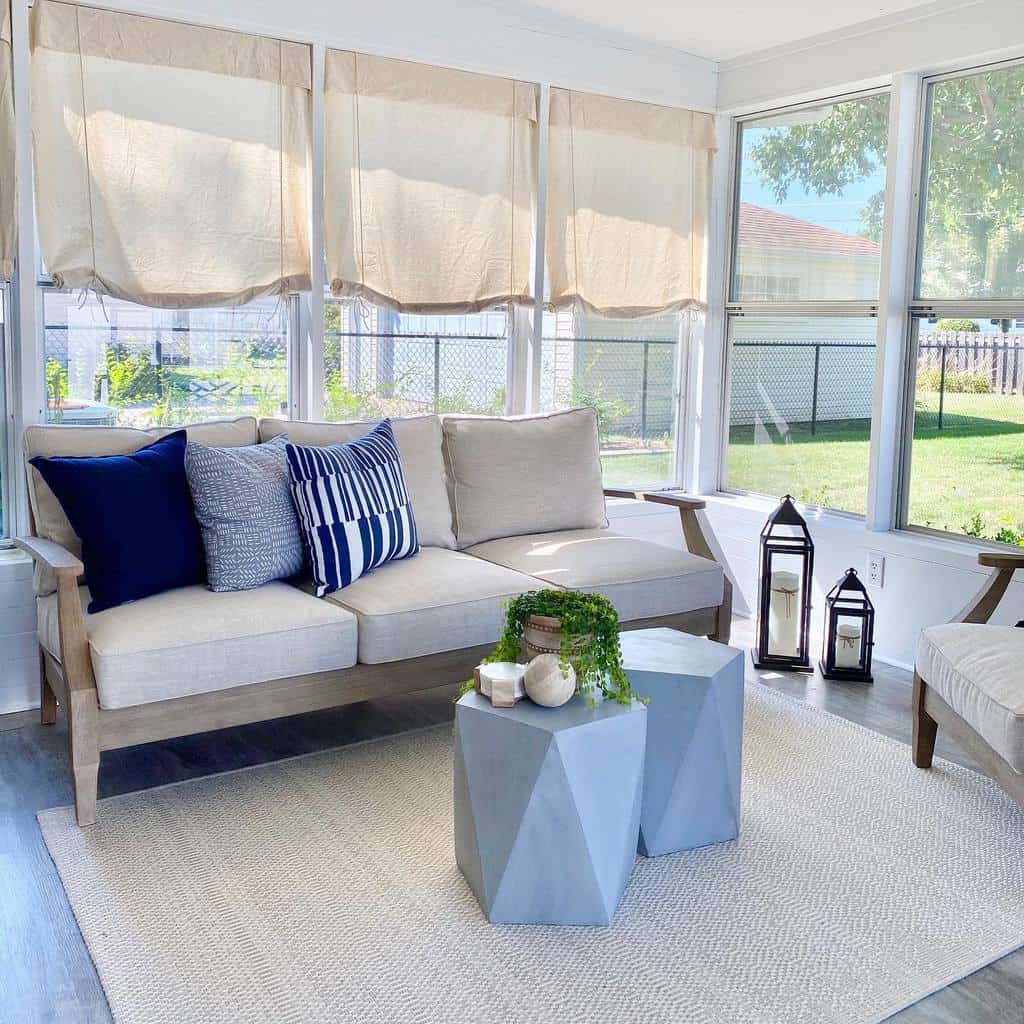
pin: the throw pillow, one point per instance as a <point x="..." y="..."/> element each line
<point x="353" y="506"/>
<point x="243" y="502"/>
<point x="134" y="516"/>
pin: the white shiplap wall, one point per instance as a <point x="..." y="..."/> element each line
<point x="19" y="661"/>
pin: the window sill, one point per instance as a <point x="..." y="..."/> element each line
<point x="842" y="527"/>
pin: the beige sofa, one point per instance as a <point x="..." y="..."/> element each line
<point x="502" y="507"/>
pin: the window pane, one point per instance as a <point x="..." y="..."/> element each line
<point x="114" y="362"/>
<point x="379" y="363"/>
<point x="974" y="206"/>
<point x="5" y="489"/>
<point x="800" y="408"/>
<point x="625" y="369"/>
<point x="967" y="455"/>
<point x="811" y="192"/>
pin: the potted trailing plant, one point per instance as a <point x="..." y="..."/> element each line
<point x="583" y="628"/>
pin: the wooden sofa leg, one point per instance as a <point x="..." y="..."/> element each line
<point x="47" y="698"/>
<point x="925" y="727"/>
<point x="723" y="620"/>
<point x="83" y="721"/>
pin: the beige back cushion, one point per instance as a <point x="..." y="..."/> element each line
<point x="419" y="442"/>
<point x="47" y="514"/>
<point x="523" y="474"/>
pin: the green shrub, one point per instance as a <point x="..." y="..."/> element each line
<point x="960" y="382"/>
<point x="56" y="384"/>
<point x="956" y="324"/>
<point x="130" y="378"/>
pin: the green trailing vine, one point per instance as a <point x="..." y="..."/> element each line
<point x="590" y="639"/>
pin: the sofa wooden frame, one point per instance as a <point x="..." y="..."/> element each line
<point x="68" y="682"/>
<point x="931" y="711"/>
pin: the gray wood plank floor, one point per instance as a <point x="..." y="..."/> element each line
<point x="45" y="970"/>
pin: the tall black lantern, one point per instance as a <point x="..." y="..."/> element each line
<point x="849" y="631"/>
<point x="784" y="598"/>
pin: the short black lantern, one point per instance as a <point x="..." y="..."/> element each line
<point x="784" y="598"/>
<point x="849" y="631"/>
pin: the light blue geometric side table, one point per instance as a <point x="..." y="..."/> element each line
<point x="694" y="738"/>
<point x="547" y="807"/>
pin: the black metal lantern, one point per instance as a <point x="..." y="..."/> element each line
<point x="849" y="631"/>
<point x="784" y="597"/>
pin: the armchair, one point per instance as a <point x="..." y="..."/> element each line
<point x="969" y="678"/>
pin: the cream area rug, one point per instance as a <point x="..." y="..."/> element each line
<point x="324" y="888"/>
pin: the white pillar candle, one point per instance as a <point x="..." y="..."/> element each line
<point x="784" y="614"/>
<point x="502" y="681"/>
<point x="848" y="645"/>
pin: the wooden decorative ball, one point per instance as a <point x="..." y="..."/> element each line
<point x="546" y="684"/>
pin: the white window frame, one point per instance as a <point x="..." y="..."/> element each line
<point x="734" y="309"/>
<point x="916" y="306"/>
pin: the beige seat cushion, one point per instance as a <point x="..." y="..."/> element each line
<point x="641" y="579"/>
<point x="435" y="601"/>
<point x="419" y="441"/>
<point x="192" y="640"/>
<point x="57" y="441"/>
<point x="978" y="670"/>
<point x="523" y="474"/>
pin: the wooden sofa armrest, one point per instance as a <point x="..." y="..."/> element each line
<point x="984" y="603"/>
<point x="696" y="542"/>
<point x="52" y="555"/>
<point x="75" y="684"/>
<point x="680" y="501"/>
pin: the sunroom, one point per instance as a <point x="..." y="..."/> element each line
<point x="510" y="511"/>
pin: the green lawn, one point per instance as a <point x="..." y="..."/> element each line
<point x="973" y="467"/>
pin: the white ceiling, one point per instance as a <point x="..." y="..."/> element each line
<point x="721" y="29"/>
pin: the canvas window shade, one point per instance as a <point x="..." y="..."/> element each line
<point x="627" y="205"/>
<point x="171" y="160"/>
<point x="8" y="201"/>
<point x="430" y="184"/>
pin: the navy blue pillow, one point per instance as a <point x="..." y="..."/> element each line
<point x="135" y="518"/>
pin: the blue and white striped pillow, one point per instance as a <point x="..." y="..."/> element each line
<point x="353" y="506"/>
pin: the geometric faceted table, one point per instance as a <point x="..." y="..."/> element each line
<point x="694" y="738"/>
<point x="547" y="807"/>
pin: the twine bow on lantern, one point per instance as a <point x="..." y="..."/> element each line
<point x="848" y="641"/>
<point x="790" y="594"/>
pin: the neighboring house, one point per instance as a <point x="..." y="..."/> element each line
<point x="774" y="359"/>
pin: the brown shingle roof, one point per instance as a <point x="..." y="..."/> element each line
<point x="768" y="229"/>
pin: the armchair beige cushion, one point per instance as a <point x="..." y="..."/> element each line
<point x="419" y="441"/>
<point x="438" y="601"/>
<point x="978" y="670"/>
<point x="192" y="640"/>
<point x="56" y="441"/>
<point x="523" y="474"/>
<point x="641" y="579"/>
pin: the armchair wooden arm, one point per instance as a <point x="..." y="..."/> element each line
<point x="985" y="602"/>
<point x="70" y="677"/>
<point x="696" y="542"/>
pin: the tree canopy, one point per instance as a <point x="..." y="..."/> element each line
<point x="974" y="220"/>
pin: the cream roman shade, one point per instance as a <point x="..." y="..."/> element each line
<point x="430" y="181"/>
<point x="8" y="202"/>
<point x="627" y="205"/>
<point x="171" y="160"/>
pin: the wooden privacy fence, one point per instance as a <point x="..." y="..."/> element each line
<point x="997" y="357"/>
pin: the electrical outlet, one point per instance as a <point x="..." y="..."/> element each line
<point x="876" y="569"/>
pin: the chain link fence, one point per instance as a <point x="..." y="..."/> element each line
<point x="802" y="385"/>
<point x="394" y="374"/>
<point x="630" y="382"/>
<point x="138" y="376"/>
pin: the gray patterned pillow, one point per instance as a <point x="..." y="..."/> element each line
<point x="244" y="505"/>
